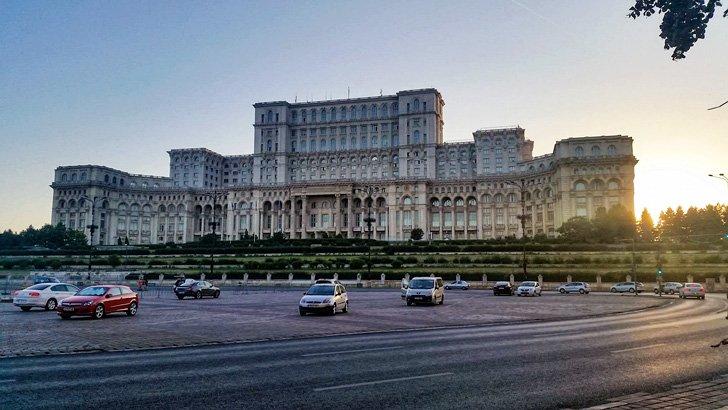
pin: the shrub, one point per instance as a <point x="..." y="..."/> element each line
<point x="396" y="264"/>
<point x="357" y="263"/>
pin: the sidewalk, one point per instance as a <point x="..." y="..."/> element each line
<point x="700" y="394"/>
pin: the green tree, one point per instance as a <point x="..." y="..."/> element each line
<point x="683" y="21"/>
<point x="416" y="234"/>
<point x="576" y="229"/>
<point x="113" y="260"/>
<point x="646" y="227"/>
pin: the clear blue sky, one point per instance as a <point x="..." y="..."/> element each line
<point x="120" y="83"/>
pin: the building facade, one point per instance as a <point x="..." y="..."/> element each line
<point x="320" y="168"/>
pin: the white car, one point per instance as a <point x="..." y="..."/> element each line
<point x="458" y="284"/>
<point x="324" y="298"/>
<point x="692" y="290"/>
<point x="529" y="288"/>
<point x="574" y="287"/>
<point x="630" y="287"/>
<point x="43" y="295"/>
<point x="425" y="290"/>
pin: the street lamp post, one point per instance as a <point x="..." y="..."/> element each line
<point x="724" y="178"/>
<point x="521" y="185"/>
<point x="92" y="227"/>
<point x="368" y="191"/>
<point x="215" y="196"/>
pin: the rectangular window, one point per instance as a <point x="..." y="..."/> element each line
<point x="312" y="220"/>
<point x="460" y="218"/>
<point x="407" y="218"/>
<point x="448" y="219"/>
<point x="472" y="219"/>
<point x="325" y="220"/>
<point x="436" y="220"/>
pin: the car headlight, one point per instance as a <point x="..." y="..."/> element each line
<point x="327" y="300"/>
<point x="88" y="303"/>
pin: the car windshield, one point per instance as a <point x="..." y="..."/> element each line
<point x="422" y="284"/>
<point x="321" y="290"/>
<point x="502" y="284"/>
<point x="528" y="284"/>
<point x="37" y="287"/>
<point x="92" y="291"/>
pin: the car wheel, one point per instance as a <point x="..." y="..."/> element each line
<point x="98" y="312"/>
<point x="180" y="297"/>
<point x="657" y="291"/>
<point x="216" y="294"/>
<point x="65" y="316"/>
<point x="198" y="295"/>
<point x="562" y="290"/>
<point x="631" y="290"/>
<point x="539" y="293"/>
<point x="613" y="290"/>
<point x="409" y="303"/>
<point x="301" y="312"/>
<point x="672" y="292"/>
<point x="346" y="307"/>
<point x="581" y="291"/>
<point x="25" y="308"/>
<point x="447" y="288"/>
<point x="333" y="310"/>
<point x="51" y="304"/>
<point x="132" y="311"/>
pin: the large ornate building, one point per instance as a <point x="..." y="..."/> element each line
<point x="319" y="168"/>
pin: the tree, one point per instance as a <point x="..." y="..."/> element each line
<point x="646" y="227"/>
<point x="576" y="229"/>
<point x="113" y="260"/>
<point x="683" y="21"/>
<point x="416" y="234"/>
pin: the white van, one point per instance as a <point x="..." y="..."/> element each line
<point x="425" y="290"/>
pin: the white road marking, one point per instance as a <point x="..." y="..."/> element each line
<point x="638" y="348"/>
<point x="7" y="380"/>
<point x="399" y="379"/>
<point x="374" y="349"/>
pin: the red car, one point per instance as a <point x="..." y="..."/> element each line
<point x="98" y="301"/>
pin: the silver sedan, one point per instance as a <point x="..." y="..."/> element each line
<point x="458" y="284"/>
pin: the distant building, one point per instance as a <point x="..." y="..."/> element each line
<point x="313" y="162"/>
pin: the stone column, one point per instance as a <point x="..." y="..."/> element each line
<point x="540" y="279"/>
<point x="337" y="213"/>
<point x="304" y="217"/>
<point x="568" y="278"/>
<point x="485" y="279"/>
<point x="313" y="278"/>
<point x="689" y="278"/>
<point x="512" y="279"/>
<point x="350" y="213"/>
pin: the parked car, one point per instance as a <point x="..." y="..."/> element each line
<point x="425" y="290"/>
<point x="197" y="289"/>
<point x="324" y="298"/>
<point x="574" y="287"/>
<point x="529" y="288"/>
<point x="329" y="281"/>
<point x="43" y="295"/>
<point x="630" y="287"/>
<point x="503" y="288"/>
<point x="692" y="290"/>
<point x="458" y="284"/>
<point x="98" y="301"/>
<point x="669" y="287"/>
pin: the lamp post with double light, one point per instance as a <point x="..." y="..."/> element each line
<point x="215" y="196"/>
<point x="723" y="177"/>
<point x="368" y="192"/>
<point x="521" y="185"/>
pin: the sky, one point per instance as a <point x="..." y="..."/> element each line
<point x="120" y="83"/>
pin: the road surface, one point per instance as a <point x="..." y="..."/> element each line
<point x="568" y="363"/>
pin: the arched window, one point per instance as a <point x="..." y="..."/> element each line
<point x="579" y="186"/>
<point x="332" y="144"/>
<point x="363" y="142"/>
<point x="417" y="137"/>
<point x="113" y="180"/>
<point x="407" y="201"/>
<point x="312" y="146"/>
<point x="447" y="202"/>
<point x="611" y="150"/>
<point x="342" y="113"/>
<point x="294" y="116"/>
<point x="488" y="199"/>
<point x="613" y="184"/>
<point x="313" y="115"/>
<point x="472" y="202"/>
<point x="269" y="145"/>
<point x="353" y="142"/>
<point x="333" y="114"/>
<point x="323" y="114"/>
<point x="352" y="112"/>
<point x="374" y="142"/>
<point x="270" y="116"/>
<point x="579" y="151"/>
<point x="322" y="146"/>
<point x="498" y="198"/>
<point x="106" y="178"/>
<point x="64" y="177"/>
<point x="416" y="104"/>
<point x="363" y="112"/>
<point x="384" y="112"/>
<point x="459" y="202"/>
<point x="373" y="111"/>
<point x="596" y="151"/>
<point x="343" y="143"/>
<point x="435" y="202"/>
<point x="597" y="185"/>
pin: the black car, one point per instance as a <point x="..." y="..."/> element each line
<point x="197" y="289"/>
<point x="503" y="288"/>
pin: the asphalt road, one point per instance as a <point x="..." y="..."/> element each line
<point x="567" y="363"/>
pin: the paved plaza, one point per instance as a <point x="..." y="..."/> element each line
<point x="267" y="314"/>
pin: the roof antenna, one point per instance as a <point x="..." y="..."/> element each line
<point x="295" y="99"/>
<point x="348" y="92"/>
<point x="380" y="92"/>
